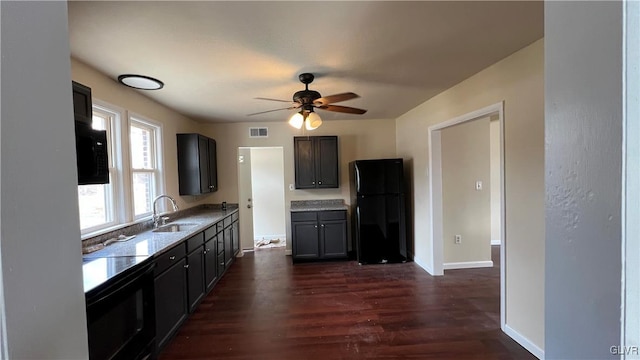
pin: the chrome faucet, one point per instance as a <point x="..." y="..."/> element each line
<point x="156" y="218"/>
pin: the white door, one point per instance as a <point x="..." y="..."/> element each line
<point x="245" y="197"/>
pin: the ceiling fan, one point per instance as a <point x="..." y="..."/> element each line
<point x="307" y="100"/>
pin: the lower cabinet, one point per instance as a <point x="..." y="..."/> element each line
<point x="171" y="299"/>
<point x="235" y="234"/>
<point x="319" y="235"/>
<point x="186" y="273"/>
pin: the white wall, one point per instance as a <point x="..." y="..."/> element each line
<point x="40" y="240"/>
<point x="466" y="211"/>
<point x="267" y="173"/>
<point x="583" y="164"/>
<point x="518" y="81"/>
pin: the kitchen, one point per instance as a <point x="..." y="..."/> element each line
<point x="39" y="206"/>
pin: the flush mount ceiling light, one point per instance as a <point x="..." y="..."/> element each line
<point x="140" y="82"/>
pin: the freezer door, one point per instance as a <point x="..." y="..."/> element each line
<point x="378" y="177"/>
<point x="380" y="229"/>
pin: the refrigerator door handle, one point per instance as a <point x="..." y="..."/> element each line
<point x="357" y="179"/>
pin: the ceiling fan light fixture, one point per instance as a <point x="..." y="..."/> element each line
<point x="140" y="82"/>
<point x="297" y="120"/>
<point x="313" y="121"/>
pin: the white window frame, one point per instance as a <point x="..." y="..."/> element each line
<point x="158" y="171"/>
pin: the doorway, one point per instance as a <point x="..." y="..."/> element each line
<point x="261" y="192"/>
<point x="441" y="190"/>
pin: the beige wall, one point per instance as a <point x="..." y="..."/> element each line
<point x="357" y="139"/>
<point x="109" y="90"/>
<point x="518" y="81"/>
<point x="465" y="210"/>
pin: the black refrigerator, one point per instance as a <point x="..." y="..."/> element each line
<point x="378" y="210"/>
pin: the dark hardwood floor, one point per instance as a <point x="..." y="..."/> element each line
<point x="267" y="308"/>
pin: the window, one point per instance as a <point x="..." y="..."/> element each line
<point x="135" y="176"/>
<point x="145" y="172"/>
<point x="97" y="202"/>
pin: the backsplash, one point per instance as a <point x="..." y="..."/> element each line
<point x="148" y="225"/>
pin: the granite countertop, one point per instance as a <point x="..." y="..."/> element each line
<point x="318" y="205"/>
<point x="144" y="245"/>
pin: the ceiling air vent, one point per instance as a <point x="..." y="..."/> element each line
<point x="258" y="132"/>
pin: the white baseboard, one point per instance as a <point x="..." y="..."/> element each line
<point x="526" y="343"/>
<point x="468" y="265"/>
<point x="496" y="242"/>
<point x="288" y="252"/>
<point x="423" y="265"/>
<point x="270" y="237"/>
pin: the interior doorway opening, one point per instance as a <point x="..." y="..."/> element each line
<point x="442" y="192"/>
<point x="261" y="191"/>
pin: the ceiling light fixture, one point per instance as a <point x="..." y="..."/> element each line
<point x="140" y="82"/>
<point x="309" y="119"/>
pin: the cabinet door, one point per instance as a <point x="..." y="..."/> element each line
<point x="203" y="162"/>
<point x="333" y="239"/>
<point x="212" y="165"/>
<point x="171" y="301"/>
<point x="304" y="161"/>
<point x="326" y="153"/>
<point x="210" y="265"/>
<point x="228" y="249"/>
<point x="235" y="234"/>
<point x="305" y="240"/>
<point x="82" y="104"/>
<point x="195" y="277"/>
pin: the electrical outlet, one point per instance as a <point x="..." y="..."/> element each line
<point x="458" y="239"/>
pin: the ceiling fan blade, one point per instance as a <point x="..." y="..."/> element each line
<point x="342" y="109"/>
<point x="326" y="100"/>
<point x="261" y="98"/>
<point x="268" y="111"/>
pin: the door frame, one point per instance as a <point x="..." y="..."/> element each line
<point x="435" y="194"/>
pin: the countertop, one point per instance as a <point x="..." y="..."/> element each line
<point x="318" y="205"/>
<point x="97" y="269"/>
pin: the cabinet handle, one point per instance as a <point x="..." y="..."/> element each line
<point x="313" y="183"/>
<point x="322" y="225"/>
<point x="186" y="266"/>
<point x="315" y="226"/>
<point x="207" y="250"/>
<point x="172" y="257"/>
<point x="204" y="252"/>
<point x="222" y="263"/>
<point x="319" y="182"/>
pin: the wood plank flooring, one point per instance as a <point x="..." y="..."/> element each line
<point x="267" y="308"/>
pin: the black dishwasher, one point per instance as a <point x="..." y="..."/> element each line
<point x="121" y="311"/>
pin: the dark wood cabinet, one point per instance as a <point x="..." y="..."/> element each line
<point x="187" y="272"/>
<point x="210" y="262"/>
<point x="319" y="235"/>
<point x="197" y="164"/>
<point x="171" y="297"/>
<point x="235" y="235"/>
<point x="82" y="103"/>
<point x="316" y="162"/>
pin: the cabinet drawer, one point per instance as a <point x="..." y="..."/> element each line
<point x="234" y="217"/>
<point x="169" y="258"/>
<point x="303" y="216"/>
<point x="210" y="232"/>
<point x="219" y="226"/>
<point x="194" y="242"/>
<point x="227" y="221"/>
<point x="332" y="215"/>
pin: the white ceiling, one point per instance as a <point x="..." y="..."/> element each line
<point x="216" y="57"/>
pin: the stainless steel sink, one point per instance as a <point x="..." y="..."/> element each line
<point x="176" y="227"/>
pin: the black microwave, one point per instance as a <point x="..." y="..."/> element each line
<point x="92" y="155"/>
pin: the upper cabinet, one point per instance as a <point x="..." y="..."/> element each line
<point x="197" y="166"/>
<point x="316" y="162"/>
<point x="82" y="105"/>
